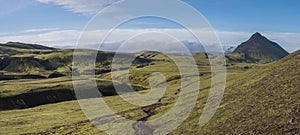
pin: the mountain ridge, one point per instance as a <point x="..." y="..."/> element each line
<point x="20" y="45"/>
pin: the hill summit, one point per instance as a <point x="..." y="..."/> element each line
<point x="260" y="49"/>
<point x="18" y="45"/>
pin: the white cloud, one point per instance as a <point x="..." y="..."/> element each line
<point x="40" y="30"/>
<point x="82" y="6"/>
<point x="63" y="37"/>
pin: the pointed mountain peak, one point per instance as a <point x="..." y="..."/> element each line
<point x="260" y="49"/>
<point x="257" y="35"/>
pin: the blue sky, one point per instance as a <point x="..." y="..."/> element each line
<point x="251" y="15"/>
<point x="234" y="20"/>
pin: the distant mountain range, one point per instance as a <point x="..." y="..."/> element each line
<point x="166" y="47"/>
<point x="229" y="50"/>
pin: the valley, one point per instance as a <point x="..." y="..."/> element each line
<point x="261" y="95"/>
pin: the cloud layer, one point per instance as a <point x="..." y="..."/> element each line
<point x="40" y="30"/>
<point x="81" y="6"/>
<point x="63" y="38"/>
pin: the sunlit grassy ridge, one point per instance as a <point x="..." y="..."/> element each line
<point x="262" y="100"/>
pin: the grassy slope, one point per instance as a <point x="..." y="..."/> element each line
<point x="262" y="99"/>
<point x="139" y="78"/>
<point x="45" y="62"/>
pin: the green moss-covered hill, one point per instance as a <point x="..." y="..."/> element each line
<point x="41" y="60"/>
<point x="258" y="49"/>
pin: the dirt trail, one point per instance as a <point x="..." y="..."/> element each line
<point x="141" y="127"/>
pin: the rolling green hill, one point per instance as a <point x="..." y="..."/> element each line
<point x="41" y="60"/>
<point x="14" y="48"/>
<point x="26" y="46"/>
<point x="258" y="49"/>
<point x="259" y="98"/>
